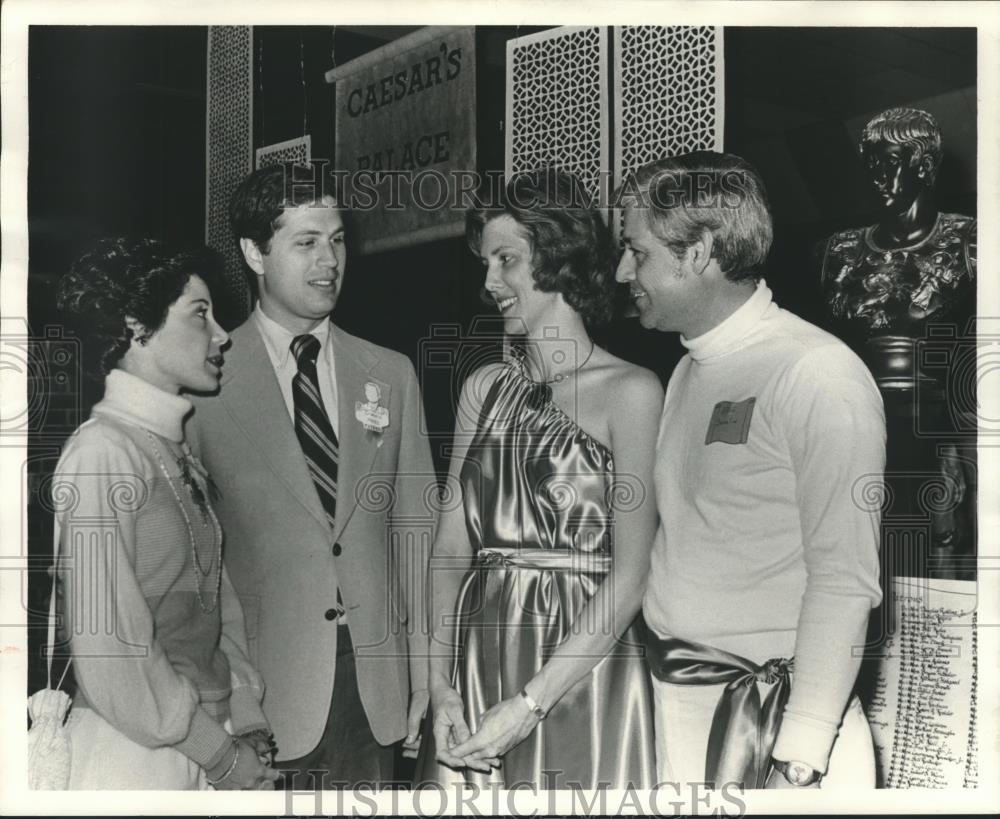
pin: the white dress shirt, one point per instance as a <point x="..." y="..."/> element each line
<point x="278" y="341"/>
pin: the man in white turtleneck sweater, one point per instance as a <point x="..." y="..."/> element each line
<point x="769" y="463"/>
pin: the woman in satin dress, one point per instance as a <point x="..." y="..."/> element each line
<point x="537" y="672"/>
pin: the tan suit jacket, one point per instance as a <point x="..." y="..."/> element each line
<point x="284" y="558"/>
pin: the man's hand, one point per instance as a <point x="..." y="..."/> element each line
<point x="503" y="727"/>
<point x="450" y="727"/>
<point x="418" y="710"/>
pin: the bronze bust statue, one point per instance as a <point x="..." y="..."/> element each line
<point x="884" y="283"/>
<point x="889" y="285"/>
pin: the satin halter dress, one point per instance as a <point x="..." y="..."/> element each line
<point x="537" y="491"/>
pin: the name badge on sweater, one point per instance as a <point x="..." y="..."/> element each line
<point x="730" y="422"/>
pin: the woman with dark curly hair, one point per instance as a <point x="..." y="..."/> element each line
<point x="166" y="698"/>
<point x="536" y="658"/>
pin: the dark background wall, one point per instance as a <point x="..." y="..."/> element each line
<point x="117" y="145"/>
<point x="796" y="101"/>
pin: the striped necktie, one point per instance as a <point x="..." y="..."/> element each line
<point x="312" y="425"/>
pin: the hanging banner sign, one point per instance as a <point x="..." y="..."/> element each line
<point x="405" y="145"/>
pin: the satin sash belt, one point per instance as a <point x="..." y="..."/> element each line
<point x="555" y="559"/>
<point x="743" y="732"/>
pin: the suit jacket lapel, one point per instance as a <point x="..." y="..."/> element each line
<point x="358" y="447"/>
<point x="254" y="400"/>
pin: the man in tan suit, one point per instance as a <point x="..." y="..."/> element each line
<point x="326" y="494"/>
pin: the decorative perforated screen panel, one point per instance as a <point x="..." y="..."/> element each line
<point x="667" y="98"/>
<point x="291" y="150"/>
<point x="668" y="94"/>
<point x="557" y="103"/>
<point x="229" y="142"/>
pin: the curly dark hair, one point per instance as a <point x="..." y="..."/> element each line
<point x="123" y="277"/>
<point x="262" y="197"/>
<point x="571" y="246"/>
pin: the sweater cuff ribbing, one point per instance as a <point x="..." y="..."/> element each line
<point x="245" y="711"/>
<point x="207" y="742"/>
<point x="805" y="739"/>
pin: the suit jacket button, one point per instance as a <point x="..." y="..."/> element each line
<point x="336" y="550"/>
<point x="331" y="614"/>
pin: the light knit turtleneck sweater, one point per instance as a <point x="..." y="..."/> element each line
<point x="147" y="657"/>
<point x="768" y="545"/>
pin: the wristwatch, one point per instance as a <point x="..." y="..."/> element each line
<point x="798" y="774"/>
<point x="533" y="706"/>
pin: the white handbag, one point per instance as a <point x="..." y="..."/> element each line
<point x="48" y="738"/>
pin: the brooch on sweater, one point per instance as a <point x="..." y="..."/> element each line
<point x="187" y="464"/>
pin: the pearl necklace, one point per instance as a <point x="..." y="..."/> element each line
<point x="208" y="515"/>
